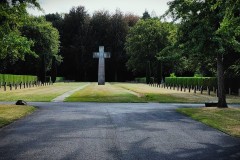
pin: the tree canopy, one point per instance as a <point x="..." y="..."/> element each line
<point x="144" y="41"/>
<point x="23" y="37"/>
<point x="46" y="44"/>
<point x="207" y="31"/>
<point x="12" y="17"/>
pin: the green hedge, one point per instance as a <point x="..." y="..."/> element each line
<point x="140" y="80"/>
<point x="143" y="80"/>
<point x="60" y="79"/>
<point x="10" y="78"/>
<point x="192" y="81"/>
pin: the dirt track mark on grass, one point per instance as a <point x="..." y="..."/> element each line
<point x="62" y="97"/>
<point x="139" y="95"/>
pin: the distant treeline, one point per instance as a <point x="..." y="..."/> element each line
<point x="82" y="34"/>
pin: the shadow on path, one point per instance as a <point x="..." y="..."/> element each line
<point x="113" y="131"/>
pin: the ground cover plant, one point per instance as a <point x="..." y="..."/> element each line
<point x="37" y="94"/>
<point x="10" y="113"/>
<point x="226" y="120"/>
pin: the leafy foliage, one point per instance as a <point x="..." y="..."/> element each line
<point x="12" y="18"/>
<point x="23" y="37"/>
<point x="144" y="42"/>
<point x="208" y="30"/>
<point x="46" y="44"/>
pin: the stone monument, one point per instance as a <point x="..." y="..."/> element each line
<point x="101" y="55"/>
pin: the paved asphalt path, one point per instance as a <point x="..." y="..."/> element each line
<point x="109" y="131"/>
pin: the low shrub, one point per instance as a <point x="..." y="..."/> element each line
<point x="143" y="80"/>
<point x="192" y="81"/>
<point x="60" y="79"/>
<point x="140" y="80"/>
<point x="10" y="78"/>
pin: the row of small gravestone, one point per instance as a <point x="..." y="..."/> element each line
<point x="189" y="88"/>
<point x="22" y="85"/>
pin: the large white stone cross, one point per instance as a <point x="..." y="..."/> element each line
<point x="101" y="55"/>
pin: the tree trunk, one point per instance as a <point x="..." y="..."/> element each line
<point x="42" y="69"/>
<point x="221" y="89"/>
<point x="148" y="72"/>
<point x="159" y="72"/>
<point x="115" y="76"/>
<point x="54" y="70"/>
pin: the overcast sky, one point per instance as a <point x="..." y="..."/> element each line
<point x="137" y="7"/>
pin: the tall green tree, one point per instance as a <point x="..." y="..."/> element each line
<point x="230" y="30"/>
<point x="146" y="15"/>
<point x="13" y="16"/>
<point x="144" y="41"/>
<point x="204" y="32"/>
<point x="75" y="43"/>
<point x="116" y="39"/>
<point x="131" y="19"/>
<point x="100" y="26"/>
<point x="57" y="21"/>
<point x="46" y="44"/>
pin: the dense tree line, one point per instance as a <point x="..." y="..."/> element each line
<point x="82" y="34"/>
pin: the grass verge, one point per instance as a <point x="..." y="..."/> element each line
<point x="226" y="120"/>
<point x="39" y="94"/>
<point x="11" y="113"/>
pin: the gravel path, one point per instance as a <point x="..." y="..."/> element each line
<point x="109" y="131"/>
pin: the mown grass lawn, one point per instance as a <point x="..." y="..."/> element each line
<point x="122" y="92"/>
<point x="104" y="93"/>
<point x="154" y="94"/>
<point x="226" y="120"/>
<point x="111" y="92"/>
<point x="163" y="95"/>
<point x="38" y="94"/>
<point x="163" y="98"/>
<point x="10" y="113"/>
